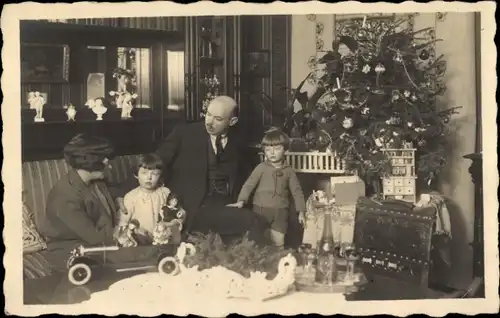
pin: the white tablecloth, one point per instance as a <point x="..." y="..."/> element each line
<point x="151" y="294"/>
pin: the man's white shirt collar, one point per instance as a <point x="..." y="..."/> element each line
<point x="223" y="141"/>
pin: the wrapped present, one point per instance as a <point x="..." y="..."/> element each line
<point x="342" y="220"/>
<point x="348" y="193"/>
<point x="394" y="240"/>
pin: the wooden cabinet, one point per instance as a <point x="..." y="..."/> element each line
<point x="250" y="56"/>
<point x="95" y="51"/>
<point x="212" y="60"/>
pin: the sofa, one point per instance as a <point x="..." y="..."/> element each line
<point x="38" y="178"/>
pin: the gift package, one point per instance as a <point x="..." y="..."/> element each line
<point x="340" y="198"/>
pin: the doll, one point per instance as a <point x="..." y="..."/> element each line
<point x="162" y="233"/>
<point x="172" y="210"/>
<point x="169" y="227"/>
<point x="125" y="236"/>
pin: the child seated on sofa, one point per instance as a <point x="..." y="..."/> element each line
<point x="147" y="202"/>
<point x="273" y="181"/>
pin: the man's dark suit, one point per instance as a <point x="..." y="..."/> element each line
<point x="185" y="153"/>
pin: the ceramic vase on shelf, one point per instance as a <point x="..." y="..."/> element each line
<point x="70" y="112"/>
<point x="326" y="268"/>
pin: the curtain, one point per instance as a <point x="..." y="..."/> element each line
<point x="175" y="79"/>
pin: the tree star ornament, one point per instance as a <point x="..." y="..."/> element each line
<point x="398" y="57"/>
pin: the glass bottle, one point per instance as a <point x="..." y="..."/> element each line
<point x="326" y="268"/>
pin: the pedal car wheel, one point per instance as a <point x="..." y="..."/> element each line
<point x="168" y="265"/>
<point x="79" y="274"/>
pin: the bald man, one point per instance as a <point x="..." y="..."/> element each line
<point x="207" y="164"/>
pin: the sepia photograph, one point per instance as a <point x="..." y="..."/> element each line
<point x="235" y="161"/>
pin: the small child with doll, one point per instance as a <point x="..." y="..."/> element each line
<point x="148" y="203"/>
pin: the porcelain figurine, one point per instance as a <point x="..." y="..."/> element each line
<point x="37" y="101"/>
<point x="99" y="109"/>
<point x="71" y="112"/>
<point x="123" y="97"/>
<point x="127" y="105"/>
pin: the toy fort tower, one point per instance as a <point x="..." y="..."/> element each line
<point x="401" y="183"/>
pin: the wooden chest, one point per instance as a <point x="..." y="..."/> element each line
<point x="394" y="240"/>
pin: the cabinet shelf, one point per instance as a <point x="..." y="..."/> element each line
<point x="211" y="60"/>
<point x="87" y="121"/>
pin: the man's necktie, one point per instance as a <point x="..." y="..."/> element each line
<point x="218" y="146"/>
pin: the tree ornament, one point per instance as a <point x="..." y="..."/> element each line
<point x="395" y="95"/>
<point x="364" y="22"/>
<point x="393" y="121"/>
<point x="398" y="57"/>
<point x="421" y="143"/>
<point x="410" y="124"/>
<point x="407" y="93"/>
<point x="365" y="111"/>
<point x="347" y="123"/>
<point x="379" y="141"/>
<point x="414" y="98"/>
<point x="379" y="69"/>
<point x="424" y="55"/>
<point x="366" y="69"/>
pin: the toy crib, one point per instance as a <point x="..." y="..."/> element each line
<point x="314" y="162"/>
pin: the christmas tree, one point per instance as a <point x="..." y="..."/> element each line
<point x="378" y="92"/>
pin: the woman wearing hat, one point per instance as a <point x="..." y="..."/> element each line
<point x="80" y="209"/>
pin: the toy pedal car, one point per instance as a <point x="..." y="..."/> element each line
<point x="84" y="260"/>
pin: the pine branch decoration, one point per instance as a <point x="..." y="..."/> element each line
<point x="243" y="256"/>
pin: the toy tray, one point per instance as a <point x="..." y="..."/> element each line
<point x="340" y="286"/>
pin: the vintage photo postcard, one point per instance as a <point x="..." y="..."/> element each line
<point x="288" y="158"/>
